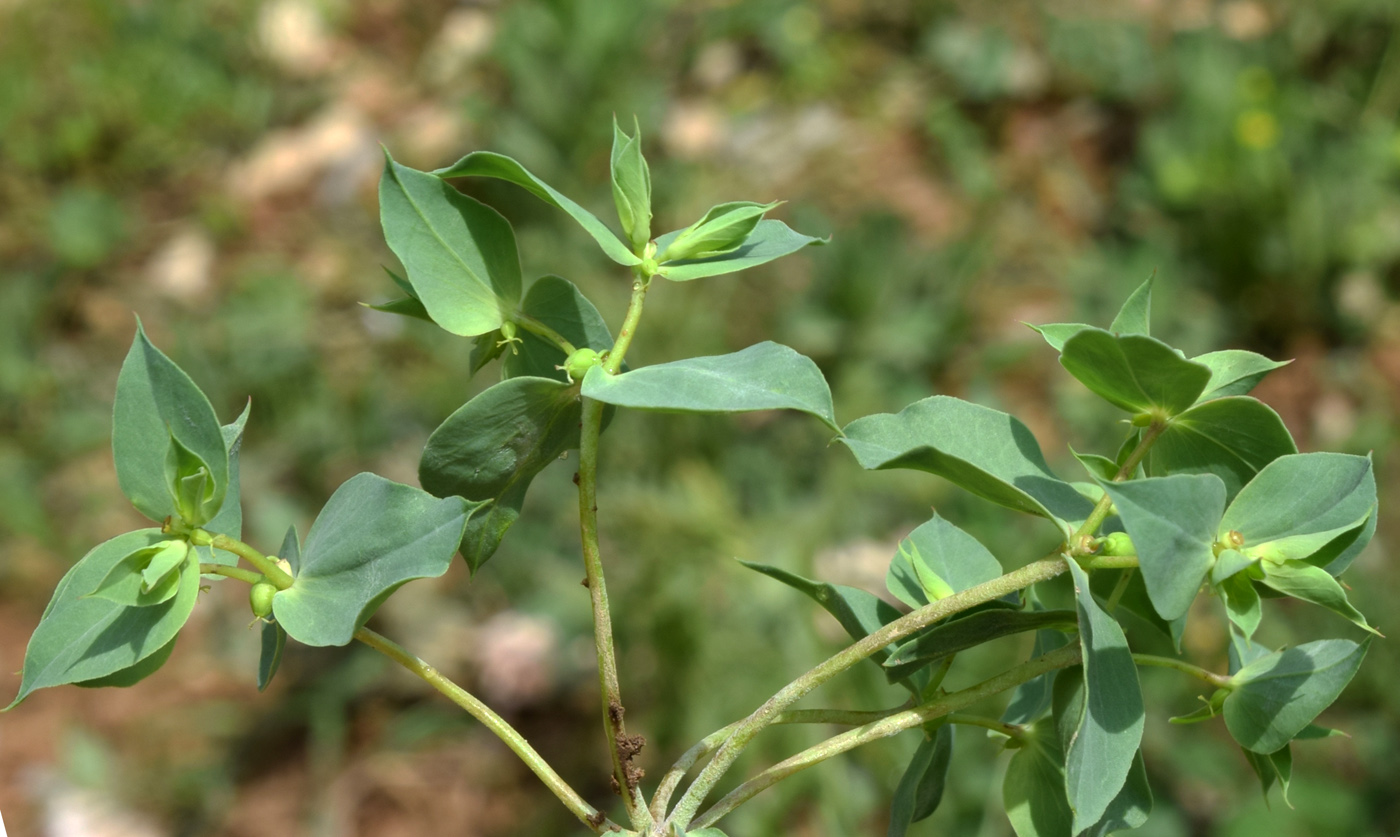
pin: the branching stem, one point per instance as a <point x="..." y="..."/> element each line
<point x="265" y="565"/>
<point x="230" y="572"/>
<point x="534" y="326"/>
<point x="1219" y="681"/>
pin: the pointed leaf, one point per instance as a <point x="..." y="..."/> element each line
<point x="157" y="402"/>
<point x="274" y="640"/>
<point x="986" y="452"/>
<point x="1031" y="700"/>
<point x="1277" y="696"/>
<point x="146" y="577"/>
<point x="1242" y="606"/>
<point x="767" y="376"/>
<point x="1134" y="372"/>
<point x="631" y="186"/>
<point x="372" y="536"/>
<point x="1109" y="730"/>
<point x="1135" y="317"/>
<point x="1135" y="604"/>
<point x="229" y="520"/>
<point x="720" y="230"/>
<point x="1308" y="583"/>
<point x="559" y="304"/>
<point x="1173" y="522"/>
<point x="940" y="551"/>
<point x="405" y="307"/>
<point x="134" y="674"/>
<point x="956" y="635"/>
<point x="1300" y="503"/>
<point x="83" y="638"/>
<point x="1235" y="372"/>
<point x="1057" y="333"/>
<point x="1233" y="438"/>
<point x="1275" y="766"/>
<point x="921" y="787"/>
<point x="493" y="446"/>
<point x="769" y="240"/>
<point x="1034" y="788"/>
<point x="490" y="164"/>
<point x="459" y="254"/>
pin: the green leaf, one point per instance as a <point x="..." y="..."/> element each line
<point x="719" y="231"/>
<point x="1134" y="372"/>
<point x="229" y="520"/>
<point x="1033" y="790"/>
<point x="1242" y="606"/>
<point x="1173" y="522"/>
<point x="404" y="307"/>
<point x="631" y="186"/>
<point x="1309" y="583"/>
<point x="767" y="376"/>
<point x="274" y="638"/>
<point x="1057" y="333"/>
<point x="156" y="403"/>
<point x="459" y="254"/>
<point x="1130" y="807"/>
<point x="490" y="164"/>
<point x="1031" y="700"/>
<point x="1300" y="503"/>
<point x="921" y="787"/>
<point x="1135" y="604"/>
<point x="769" y="240"/>
<point x="1272" y="767"/>
<point x="1099" y="467"/>
<point x="82" y="638"/>
<point x="1277" y="696"/>
<point x="146" y="577"/>
<point x="986" y="452"/>
<point x="132" y="675"/>
<point x="559" y="304"/>
<point x="1135" y="317"/>
<point x="1233" y="438"/>
<point x="1235" y="372"/>
<point x="490" y="449"/>
<point x="956" y="635"/>
<point x="1108" y="731"/>
<point x="938" y="555"/>
<point x="372" y="536"/>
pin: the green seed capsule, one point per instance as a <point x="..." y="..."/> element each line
<point x="260" y="598"/>
<point x="580" y="362"/>
<point x="1118" y="543"/>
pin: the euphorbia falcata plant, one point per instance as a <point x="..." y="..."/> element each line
<point x="1207" y="494"/>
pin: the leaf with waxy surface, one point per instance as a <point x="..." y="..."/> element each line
<point x="1172" y="521"/>
<point x="1235" y="372"/>
<point x="920" y="789"/>
<point x="490" y="449"/>
<point x="1108" y="730"/>
<point x="1242" y="605"/>
<point x="1277" y="696"/>
<point x="491" y="164"/>
<point x="559" y="304"/>
<point x="459" y="253"/>
<point x="631" y="185"/>
<point x="274" y="637"/>
<point x="1057" y="333"/>
<point x="719" y="231"/>
<point x="372" y="536"/>
<point x="1134" y="372"/>
<point x="1135" y="603"/>
<point x="767" y="376"/>
<point x="1301" y="503"/>
<point x="1135" y="317"/>
<point x="986" y="452"/>
<point x="1031" y="699"/>
<point x="157" y="402"/>
<point x="938" y="553"/>
<point x="1309" y="583"/>
<point x="769" y="240"/>
<point x="82" y="638"/>
<point x="146" y="577"/>
<point x="134" y="674"/>
<point x="1233" y="438"/>
<point x="969" y="631"/>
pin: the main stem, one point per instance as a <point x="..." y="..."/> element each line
<point x="622" y="747"/>
<point x="590" y="816"/>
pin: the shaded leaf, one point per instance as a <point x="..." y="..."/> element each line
<point x="372" y="536"/>
<point x="490" y="164"/>
<point x="920" y="789"/>
<point x="721" y="230"/>
<point x="1308" y="583"/>
<point x="1233" y="438"/>
<point x="769" y="240"/>
<point x="1057" y="333"/>
<point x="969" y="631"/>
<point x="938" y="553"/>
<point x="559" y="304"/>
<point x="1135" y="604"/>
<point x="1033" y="790"/>
<point x="1134" y="372"/>
<point x="1242" y="606"/>
<point x="459" y="254"/>
<point x="766" y="376"/>
<point x="1300" y="503"/>
<point x="1272" y="767"/>
<point x="1031" y="699"/>
<point x="132" y="675"/>
<point x="274" y="638"/>
<point x="1235" y="372"/>
<point x="146" y="577"/>
<point x="1277" y="696"/>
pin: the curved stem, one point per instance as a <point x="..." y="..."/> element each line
<point x="1219" y="681"/>
<point x="586" y="813"/>
<point x="629" y="325"/>
<point x="534" y="326"/>
<point x="1008" y="730"/>
<point x="711" y="742"/>
<point x="746" y="729"/>
<point x="1079" y="542"/>
<point x="1060" y="658"/>
<point x="265" y="565"/>
<point x="230" y="572"/>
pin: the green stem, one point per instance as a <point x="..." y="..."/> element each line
<point x="534" y="326"/>
<point x="1009" y="730"/>
<point x="629" y="326"/>
<point x="1060" y="658"/>
<point x="265" y="565"/>
<point x="1219" y="681"/>
<point x="586" y="813"/>
<point x="1118" y="590"/>
<point x="709" y="743"/>
<point x="230" y="572"/>
<point x="1080" y="543"/>
<point x="746" y="729"/>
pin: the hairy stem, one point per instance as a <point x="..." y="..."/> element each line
<point x="534" y="326"/>
<point x="709" y="743"/>
<point x="1060" y="658"/>
<point x="1219" y="681"/>
<point x="230" y="572"/>
<point x="745" y="730"/>
<point x="586" y="813"/>
<point x="265" y="565"/>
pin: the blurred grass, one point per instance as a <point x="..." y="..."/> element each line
<point x="210" y="165"/>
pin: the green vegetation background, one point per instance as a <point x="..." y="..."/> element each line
<point x="211" y="165"/>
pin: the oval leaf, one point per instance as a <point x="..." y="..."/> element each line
<point x="989" y="453"/>
<point x="1235" y="372"/>
<point x="1233" y="438"/>
<point x="631" y="185"/>
<point x="1277" y="696"/>
<point x="942" y="551"/>
<point x="767" y="376"/>
<point x="1134" y="372"/>
<point x="1302" y="502"/>
<point x="372" y="536"/>
<point x="459" y="254"/>
<point x="769" y="240"/>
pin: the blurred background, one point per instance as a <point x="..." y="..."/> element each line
<point x="211" y="165"/>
